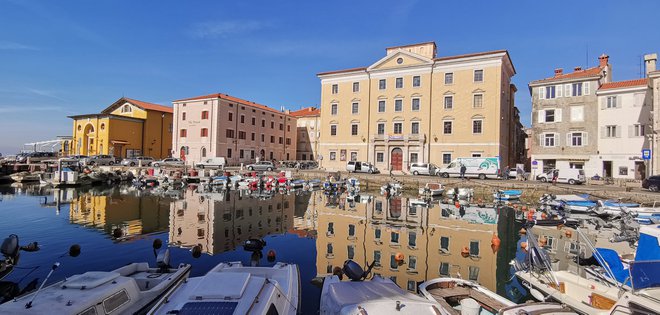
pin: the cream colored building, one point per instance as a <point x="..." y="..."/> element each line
<point x="412" y="106"/>
<point x="309" y="128"/>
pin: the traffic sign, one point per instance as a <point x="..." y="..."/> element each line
<point x="646" y="154"/>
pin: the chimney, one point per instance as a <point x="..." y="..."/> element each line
<point x="603" y="60"/>
<point x="578" y="68"/>
<point x="649" y="62"/>
<point x="558" y="72"/>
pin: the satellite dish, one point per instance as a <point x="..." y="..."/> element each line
<point x="537" y="294"/>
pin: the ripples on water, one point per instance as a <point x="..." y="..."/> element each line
<point x="116" y="226"/>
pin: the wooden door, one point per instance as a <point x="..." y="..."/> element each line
<point x="396" y="159"/>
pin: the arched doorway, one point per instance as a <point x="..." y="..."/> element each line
<point x="396" y="159"/>
<point x="88" y="140"/>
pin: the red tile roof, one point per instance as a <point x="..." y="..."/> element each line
<point x="149" y="106"/>
<point x="624" y="84"/>
<point x="591" y="72"/>
<point x="306" y="112"/>
<point x="231" y="99"/>
<point x="342" y="71"/>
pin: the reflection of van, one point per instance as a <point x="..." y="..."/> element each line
<point x="571" y="176"/>
<point x="481" y="167"/>
<point x="361" y="167"/>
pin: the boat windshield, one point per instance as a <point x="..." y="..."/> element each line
<point x="645" y="274"/>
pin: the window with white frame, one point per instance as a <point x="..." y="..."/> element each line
<point x="333" y="110"/>
<point x="477" y="126"/>
<point x="380" y="156"/>
<point x="576" y="89"/>
<point x="478" y="100"/>
<point x="413" y="157"/>
<point x="355" y="108"/>
<point x="356" y="86"/>
<point x="398" y="128"/>
<point x="335" y="89"/>
<point x="550" y="140"/>
<point x="611" y="102"/>
<point x="417" y="81"/>
<point x="577" y="138"/>
<point x="473" y="273"/>
<point x="333" y="130"/>
<point x="333" y="155"/>
<point x="380" y="129"/>
<point x="549" y="115"/>
<point x="638" y="130"/>
<point x="449" y="78"/>
<point x="447" y="127"/>
<point x="398" y="83"/>
<point x="415" y="104"/>
<point x="449" y="102"/>
<point x="577" y="113"/>
<point x="446" y="158"/>
<point x="354" y="129"/>
<point x="381" y="106"/>
<point x="382" y="84"/>
<point x="478" y="75"/>
<point x="398" y="105"/>
<point x="611" y="131"/>
<point x="550" y="92"/>
<point x="414" y="127"/>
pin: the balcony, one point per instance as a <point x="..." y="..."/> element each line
<point x="398" y="137"/>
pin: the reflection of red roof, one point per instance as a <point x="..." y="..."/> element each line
<point x="591" y="72"/>
<point x="301" y="233"/>
<point x="149" y="106"/>
<point x="305" y="112"/>
<point x="231" y="99"/>
<point x="624" y="84"/>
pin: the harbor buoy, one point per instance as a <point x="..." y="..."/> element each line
<point x="523" y="231"/>
<point x="568" y="233"/>
<point x="495" y="240"/>
<point x="399" y="257"/>
<point x="465" y="252"/>
<point x="457" y="204"/>
<point x="523" y="245"/>
<point x="271" y="255"/>
<point x="544" y="215"/>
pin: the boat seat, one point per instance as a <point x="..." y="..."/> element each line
<point x="89" y="280"/>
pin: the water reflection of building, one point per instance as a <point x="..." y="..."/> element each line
<point x="220" y="222"/>
<point x="377" y="229"/>
<point x="122" y="216"/>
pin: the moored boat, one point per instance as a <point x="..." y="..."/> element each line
<point x="25" y="177"/>
<point x="431" y="189"/>
<point x="510" y="194"/>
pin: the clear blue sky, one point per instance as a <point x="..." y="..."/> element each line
<point x="60" y="58"/>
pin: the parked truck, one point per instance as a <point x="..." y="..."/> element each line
<point x="479" y="167"/>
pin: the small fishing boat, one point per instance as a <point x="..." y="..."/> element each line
<point x="511" y="194"/>
<point x="432" y="189"/>
<point x="25" y="177"/>
<point x="231" y="288"/>
<point x="297" y="183"/>
<point x="313" y="183"/>
<point x="375" y="296"/>
<point x="458" y="296"/>
<point x="460" y="193"/>
<point x="126" y="290"/>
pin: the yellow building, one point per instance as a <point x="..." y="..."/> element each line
<point x="126" y="128"/>
<point x="411" y="106"/>
<point x="309" y="128"/>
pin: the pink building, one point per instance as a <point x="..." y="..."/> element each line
<point x="220" y="125"/>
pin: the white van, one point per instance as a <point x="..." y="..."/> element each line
<point x="480" y="167"/>
<point x="571" y="176"/>
<point x="212" y="163"/>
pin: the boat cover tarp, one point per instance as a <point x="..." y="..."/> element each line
<point x="645" y="274"/>
<point x="611" y="203"/>
<point x="648" y="246"/>
<point x="510" y="192"/>
<point x="609" y="257"/>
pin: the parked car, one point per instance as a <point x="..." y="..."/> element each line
<point x="78" y="157"/>
<point x="169" y="162"/>
<point x="36" y="157"/>
<point x="214" y="162"/>
<point x="101" y="159"/>
<point x="146" y="161"/>
<point x="261" y="166"/>
<point x="652" y="183"/>
<point x="360" y="167"/>
<point x="424" y="169"/>
<point x="571" y="176"/>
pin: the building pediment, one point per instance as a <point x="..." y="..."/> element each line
<point x="400" y="59"/>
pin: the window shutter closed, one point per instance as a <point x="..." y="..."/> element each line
<point x="584" y="139"/>
<point x="556" y="139"/>
<point x="618" y="131"/>
<point x="603" y="132"/>
<point x="558" y="115"/>
<point x="541" y="117"/>
<point x="602" y="101"/>
<point x="619" y="104"/>
<point x="541" y="143"/>
<point x="541" y="93"/>
<point x="631" y="131"/>
<point x="585" y="88"/>
<point x="567" y="90"/>
<point x="569" y="143"/>
<point x="559" y="89"/>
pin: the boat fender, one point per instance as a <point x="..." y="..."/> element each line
<point x="523" y="231"/>
<point x="196" y="251"/>
<point x="399" y="257"/>
<point x="523" y="245"/>
<point x="271" y="255"/>
<point x="465" y="252"/>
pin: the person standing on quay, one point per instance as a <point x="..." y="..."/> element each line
<point x="463" y="169"/>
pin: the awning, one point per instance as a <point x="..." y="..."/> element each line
<point x="119" y="142"/>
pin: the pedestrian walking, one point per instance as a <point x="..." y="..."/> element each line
<point x="555" y="175"/>
<point x="463" y="169"/>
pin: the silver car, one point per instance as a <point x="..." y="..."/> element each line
<point x="424" y="169"/>
<point x="168" y="162"/>
<point x="146" y="161"/>
<point x="101" y="159"/>
<point x="261" y="166"/>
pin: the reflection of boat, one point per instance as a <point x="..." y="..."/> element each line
<point x="391" y="189"/>
<point x="375" y="296"/>
<point x="66" y="175"/>
<point x="507" y="194"/>
<point x="230" y="288"/>
<point x="461" y="193"/>
<point x="126" y="290"/>
<point x="24" y="177"/>
<point x="431" y="189"/>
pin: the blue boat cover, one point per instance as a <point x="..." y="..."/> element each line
<point x="585" y="203"/>
<point x="645" y="274"/>
<point x="612" y="260"/>
<point x="647" y="246"/>
<point x="511" y="192"/>
<point x="611" y="203"/>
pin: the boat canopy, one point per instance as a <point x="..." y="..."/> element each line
<point x="611" y="258"/>
<point x="645" y="274"/>
<point x="648" y="246"/>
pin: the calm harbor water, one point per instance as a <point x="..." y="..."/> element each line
<point x="117" y="226"/>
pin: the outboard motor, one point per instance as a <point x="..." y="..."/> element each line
<point x="10" y="246"/>
<point x="254" y="244"/>
<point x="163" y="260"/>
<point x="353" y="270"/>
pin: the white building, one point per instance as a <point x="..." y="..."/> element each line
<point x="624" y="119"/>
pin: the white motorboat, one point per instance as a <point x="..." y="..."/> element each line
<point x="25" y="177"/>
<point x="457" y="296"/>
<point x="431" y="189"/>
<point x="375" y="296"/>
<point x="231" y="288"/>
<point x="127" y="290"/>
<point x="460" y="193"/>
<point x="510" y="194"/>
